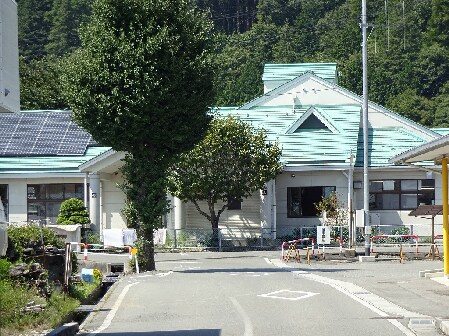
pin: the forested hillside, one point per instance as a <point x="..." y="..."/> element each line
<point x="408" y="48"/>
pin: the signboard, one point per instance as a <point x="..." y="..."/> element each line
<point x="323" y="235"/>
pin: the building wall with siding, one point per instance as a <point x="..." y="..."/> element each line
<point x="248" y="218"/>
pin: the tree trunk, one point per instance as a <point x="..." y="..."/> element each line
<point x="215" y="231"/>
<point x="145" y="253"/>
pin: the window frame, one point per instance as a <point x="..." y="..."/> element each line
<point x="402" y="190"/>
<point x="291" y="213"/>
<point x="43" y="198"/>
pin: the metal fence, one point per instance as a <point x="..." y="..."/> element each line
<point x="264" y="238"/>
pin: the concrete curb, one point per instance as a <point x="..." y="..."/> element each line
<point x="68" y="329"/>
<point x="100" y="303"/>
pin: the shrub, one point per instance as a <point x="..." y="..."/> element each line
<point x="14" y="297"/>
<point x="4" y="268"/>
<point x="22" y="237"/>
<point x="73" y="211"/>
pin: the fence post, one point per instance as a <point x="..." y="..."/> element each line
<point x="219" y="240"/>
<point x="175" y="243"/>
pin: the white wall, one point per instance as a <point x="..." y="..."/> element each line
<point x="9" y="57"/>
<point x="17" y="194"/>
<point x="305" y="179"/>
<point x="246" y="218"/>
<point x="112" y="198"/>
<point x="112" y="203"/>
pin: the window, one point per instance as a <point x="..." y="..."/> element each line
<point x="235" y="204"/>
<point x="44" y="200"/>
<point x="4" y="202"/>
<point x="401" y="194"/>
<point x="301" y="200"/>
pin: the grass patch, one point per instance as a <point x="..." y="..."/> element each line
<point x="59" y="308"/>
<point x="13" y="299"/>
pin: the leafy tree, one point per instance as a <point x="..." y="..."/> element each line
<point x="65" y="17"/>
<point x="230" y="163"/>
<point x="413" y="106"/>
<point x="239" y="64"/>
<point x="33" y="27"/>
<point x="141" y="83"/>
<point x="339" y="32"/>
<point x="40" y="85"/>
<point x="73" y="211"/>
<point x="432" y="69"/>
<point x="439" y="22"/>
<point x="441" y="118"/>
<point x="333" y="210"/>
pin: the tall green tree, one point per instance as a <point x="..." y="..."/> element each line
<point x="33" y="27"/>
<point x="439" y="22"/>
<point x="141" y="83"/>
<point x="65" y="17"/>
<point x="40" y="84"/>
<point x="231" y="163"/>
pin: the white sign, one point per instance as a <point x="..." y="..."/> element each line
<point x="323" y="235"/>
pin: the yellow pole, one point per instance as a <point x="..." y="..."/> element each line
<point x="445" y="216"/>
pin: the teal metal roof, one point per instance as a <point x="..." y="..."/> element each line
<point x="287" y="72"/>
<point x="307" y="146"/>
<point x="384" y="143"/>
<point x="47" y="164"/>
<point x="442" y="131"/>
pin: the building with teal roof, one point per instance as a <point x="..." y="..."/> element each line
<point x="316" y="122"/>
<point x="40" y="155"/>
<point x="318" y="125"/>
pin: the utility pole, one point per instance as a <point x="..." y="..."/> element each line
<point x="365" y="130"/>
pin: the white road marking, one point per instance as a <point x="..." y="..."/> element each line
<point x="375" y="303"/>
<point x="290" y="295"/>
<point x="244" y="316"/>
<point x="107" y="322"/>
<point x="371" y="301"/>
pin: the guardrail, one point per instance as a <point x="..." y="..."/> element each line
<point x="415" y="237"/>
<point x="297" y="241"/>
<point x="86" y="248"/>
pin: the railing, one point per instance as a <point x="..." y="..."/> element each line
<point x="394" y="241"/>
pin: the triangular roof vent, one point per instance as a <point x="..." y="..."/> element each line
<point x="312" y="119"/>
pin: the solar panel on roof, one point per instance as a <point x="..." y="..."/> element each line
<point x="42" y="133"/>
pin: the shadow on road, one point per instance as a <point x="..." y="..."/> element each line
<point x="261" y="270"/>
<point x="197" y="332"/>
<point x="207" y="258"/>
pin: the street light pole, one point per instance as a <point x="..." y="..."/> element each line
<point x="365" y="130"/>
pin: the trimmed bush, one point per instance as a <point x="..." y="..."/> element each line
<point x="73" y="211"/>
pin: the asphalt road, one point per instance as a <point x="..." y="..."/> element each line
<point x="254" y="293"/>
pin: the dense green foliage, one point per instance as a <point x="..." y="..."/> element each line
<point x="408" y="48"/>
<point x="22" y="237"/>
<point x="73" y="211"/>
<point x="141" y="82"/>
<point x="59" y="308"/>
<point x="230" y="163"/>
